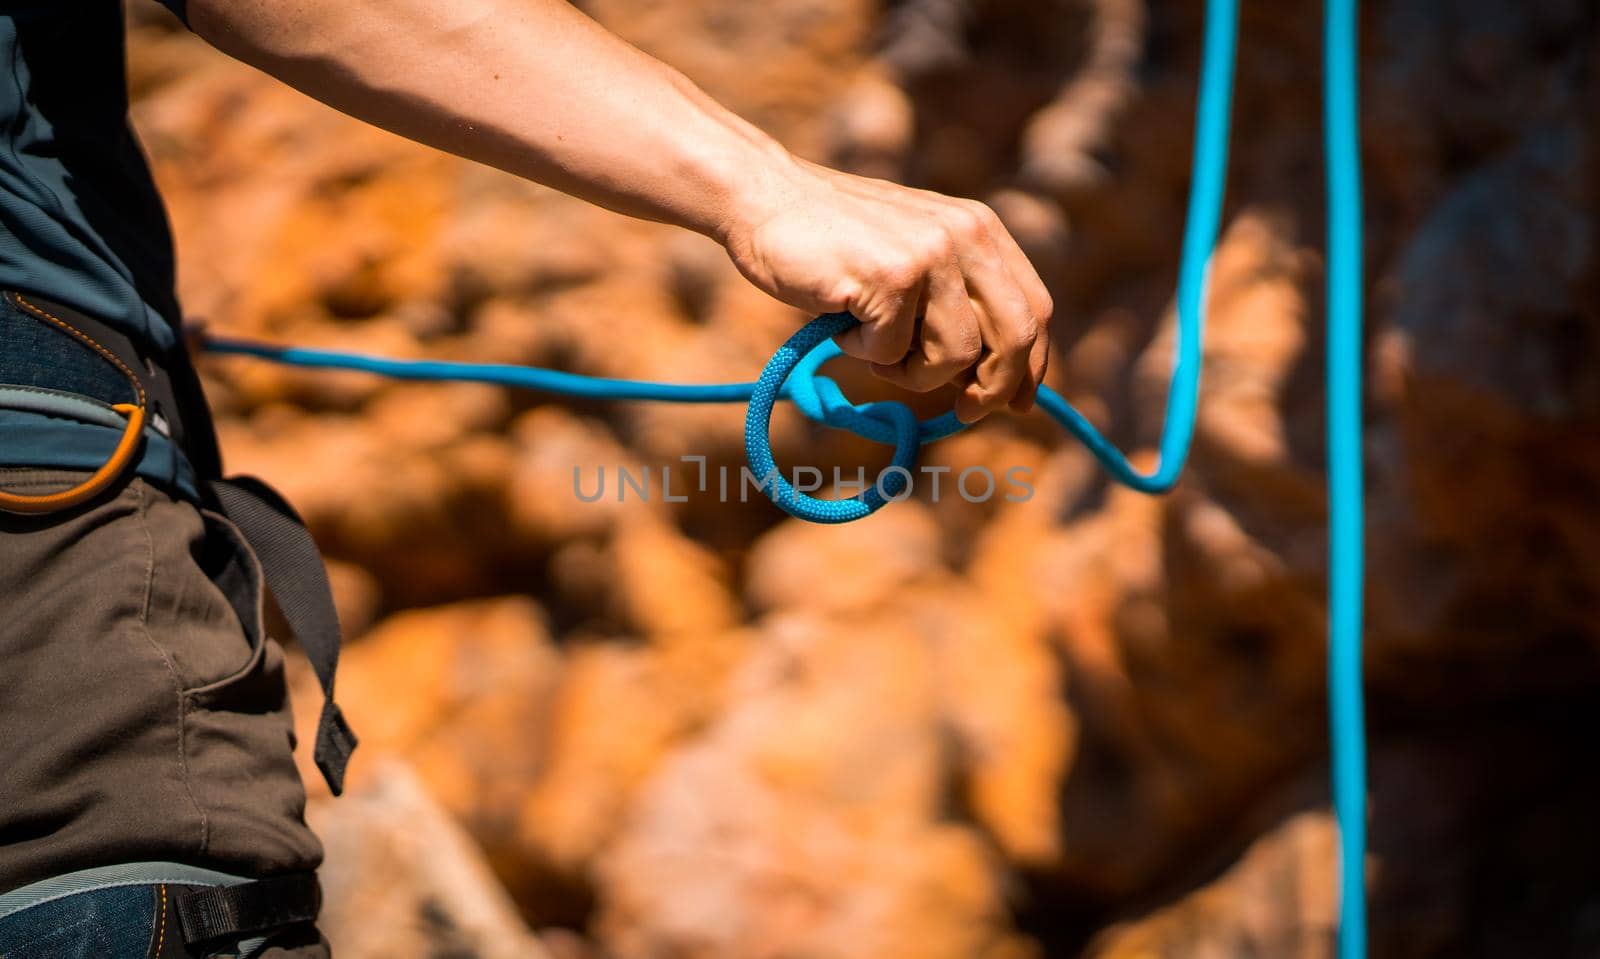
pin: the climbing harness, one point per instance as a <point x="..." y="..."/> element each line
<point x="127" y="445"/>
<point x="793" y="375"/>
<point x="168" y="398"/>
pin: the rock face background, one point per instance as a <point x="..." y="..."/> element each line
<point x="1089" y="724"/>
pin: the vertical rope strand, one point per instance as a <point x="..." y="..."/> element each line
<point x="1345" y="489"/>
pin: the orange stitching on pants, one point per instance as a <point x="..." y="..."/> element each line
<point x="161" y="935"/>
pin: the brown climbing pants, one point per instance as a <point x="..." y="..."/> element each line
<point x="143" y="711"/>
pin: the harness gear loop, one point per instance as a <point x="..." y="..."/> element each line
<point x="122" y="457"/>
<point x="101" y="480"/>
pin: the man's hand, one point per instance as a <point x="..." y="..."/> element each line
<point x="539" y="89"/>
<point x="943" y="292"/>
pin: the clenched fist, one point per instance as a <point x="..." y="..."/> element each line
<point x="943" y="292"/>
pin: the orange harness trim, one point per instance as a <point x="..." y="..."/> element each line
<point x="121" y="458"/>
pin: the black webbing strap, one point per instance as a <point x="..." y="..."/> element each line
<point x="209" y="913"/>
<point x="299" y="583"/>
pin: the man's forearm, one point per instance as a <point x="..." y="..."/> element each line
<point x="943" y="292"/>
<point x="531" y="86"/>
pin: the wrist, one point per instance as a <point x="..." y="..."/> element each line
<point x="749" y="183"/>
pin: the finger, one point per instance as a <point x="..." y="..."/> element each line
<point x="888" y="324"/>
<point x="1004" y="374"/>
<point x="1009" y="330"/>
<point x="1021" y="267"/>
<point x="949" y="340"/>
<point x="977" y="397"/>
<point x="1038" y="363"/>
<point x="968" y="406"/>
<point x="1039" y="301"/>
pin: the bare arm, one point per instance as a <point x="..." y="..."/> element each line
<point x="537" y="88"/>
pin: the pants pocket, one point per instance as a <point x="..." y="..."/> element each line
<point x="233" y="570"/>
<point x="146" y="708"/>
<point x="238" y="730"/>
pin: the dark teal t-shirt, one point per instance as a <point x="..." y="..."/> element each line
<point x="81" y="222"/>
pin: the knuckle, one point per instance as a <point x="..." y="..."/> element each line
<point x="953" y="346"/>
<point x="988" y="219"/>
<point x="937" y="246"/>
<point x="967" y="351"/>
<point x="899" y="273"/>
<point x="845" y="293"/>
<point x="966" y="220"/>
<point x="1020" y="339"/>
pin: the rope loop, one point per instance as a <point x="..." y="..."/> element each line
<point x="819" y="398"/>
<point x="792" y="372"/>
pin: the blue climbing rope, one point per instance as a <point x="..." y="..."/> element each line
<point x="1346" y="563"/>
<point x="793" y="374"/>
<point x="499" y="374"/>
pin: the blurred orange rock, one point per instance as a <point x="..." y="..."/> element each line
<point x="846" y="568"/>
<point x="1278" y="900"/>
<point x="615" y="717"/>
<point x="463" y="693"/>
<point x="802" y="820"/>
<point x="402" y="879"/>
<point x="669" y="585"/>
<point x="562" y="463"/>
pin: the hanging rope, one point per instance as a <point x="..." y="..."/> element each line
<point x="1346" y="522"/>
<point x="793" y="375"/>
